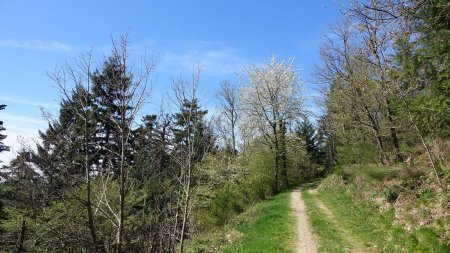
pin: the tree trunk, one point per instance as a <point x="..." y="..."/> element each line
<point x="233" y="137"/>
<point x="121" y="211"/>
<point x="91" y="216"/>
<point x="284" y="173"/>
<point x="276" y="150"/>
<point x="398" y="154"/>
<point x="88" y="192"/>
<point x="383" y="158"/>
<point x="186" y="209"/>
<point x="427" y="149"/>
<point x="122" y="192"/>
<point x="20" y="246"/>
<point x="276" y="174"/>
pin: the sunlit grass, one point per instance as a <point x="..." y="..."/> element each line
<point x="376" y="229"/>
<point x="271" y="231"/>
<point x="329" y="239"/>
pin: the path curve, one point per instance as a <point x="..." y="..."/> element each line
<point x="306" y="242"/>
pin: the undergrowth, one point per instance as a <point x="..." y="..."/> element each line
<point x="393" y="209"/>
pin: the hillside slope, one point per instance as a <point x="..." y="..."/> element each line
<point x="378" y="209"/>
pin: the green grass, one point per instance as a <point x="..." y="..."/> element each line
<point x="373" y="228"/>
<point x="329" y="239"/>
<point x="267" y="226"/>
<point x="272" y="230"/>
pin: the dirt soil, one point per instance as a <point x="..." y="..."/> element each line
<point x="306" y="243"/>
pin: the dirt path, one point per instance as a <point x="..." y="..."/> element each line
<point x="306" y="242"/>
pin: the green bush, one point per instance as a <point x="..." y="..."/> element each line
<point x="231" y="185"/>
<point x="225" y="205"/>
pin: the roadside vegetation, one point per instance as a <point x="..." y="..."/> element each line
<point x="375" y="207"/>
<point x="265" y="227"/>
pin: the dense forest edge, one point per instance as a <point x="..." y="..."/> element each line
<point x="103" y="177"/>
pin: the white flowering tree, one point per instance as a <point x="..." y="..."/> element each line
<point x="271" y="100"/>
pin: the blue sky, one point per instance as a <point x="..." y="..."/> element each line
<point x="222" y="36"/>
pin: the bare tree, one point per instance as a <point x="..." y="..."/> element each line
<point x="192" y="145"/>
<point x="351" y="91"/>
<point x="228" y="97"/>
<point x="133" y="90"/>
<point x="79" y="77"/>
<point x="375" y="29"/>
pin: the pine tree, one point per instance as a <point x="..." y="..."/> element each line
<point x="152" y="173"/>
<point x="151" y="142"/>
<point x="107" y="95"/>
<point x="3" y="191"/>
<point x="424" y="54"/>
<point x="61" y="153"/>
<point x="23" y="199"/>
<point x="2" y="136"/>
<point x="190" y="127"/>
<point x="307" y="133"/>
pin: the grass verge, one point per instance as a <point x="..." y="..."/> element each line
<point x="377" y="229"/>
<point x="265" y="227"/>
<point x="272" y="230"/>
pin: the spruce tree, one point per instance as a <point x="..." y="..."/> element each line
<point x="190" y="127"/>
<point x="3" y="192"/>
<point x="152" y="173"/>
<point x="424" y="54"/>
<point x="61" y="153"/>
<point x="108" y="85"/>
<point x="307" y="133"/>
<point x="2" y="136"/>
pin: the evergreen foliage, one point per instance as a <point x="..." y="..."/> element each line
<point x="308" y="135"/>
<point x="424" y="58"/>
<point x="2" y="136"/>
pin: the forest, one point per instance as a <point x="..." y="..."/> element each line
<point x="104" y="177"/>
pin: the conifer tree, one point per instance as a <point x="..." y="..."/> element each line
<point x="2" y="136"/>
<point x="424" y="54"/>
<point x="190" y="127"/>
<point x="108" y="85"/>
<point x="61" y="153"/>
<point x="307" y="133"/>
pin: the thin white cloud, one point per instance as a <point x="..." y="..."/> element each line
<point x="22" y="120"/>
<point x="216" y="62"/>
<point x="37" y="45"/>
<point x="25" y="102"/>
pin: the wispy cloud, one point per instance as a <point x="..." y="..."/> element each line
<point x="23" y="120"/>
<point x="216" y="61"/>
<point x="15" y="100"/>
<point x="36" y="45"/>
